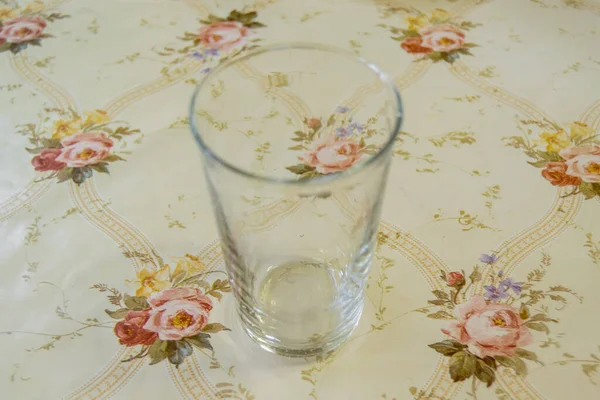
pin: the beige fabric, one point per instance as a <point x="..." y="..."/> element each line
<point x="460" y="186"/>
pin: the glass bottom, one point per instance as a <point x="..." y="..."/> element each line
<point x="305" y="308"/>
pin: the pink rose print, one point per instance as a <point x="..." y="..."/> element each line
<point x="586" y="167"/>
<point x="488" y="329"/>
<point x="22" y="29"/>
<point x="224" y="35"/>
<point x="178" y="313"/>
<point x="46" y="160"/>
<point x="330" y="155"/>
<point x="175" y="318"/>
<point x="573" y="152"/>
<point x="314" y="123"/>
<point x="455" y="279"/>
<point x="583" y="162"/>
<point x="192" y="294"/>
<point x="86" y="148"/>
<point x="442" y="38"/>
<point x="130" y="331"/>
<point x="556" y="174"/>
<point x="414" y="45"/>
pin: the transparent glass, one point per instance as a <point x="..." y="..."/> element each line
<point x="296" y="142"/>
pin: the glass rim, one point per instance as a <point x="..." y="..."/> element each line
<point x="318" y="180"/>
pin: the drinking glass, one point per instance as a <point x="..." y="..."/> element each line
<point x="296" y="142"/>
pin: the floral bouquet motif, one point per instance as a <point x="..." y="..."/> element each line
<point x="169" y="316"/>
<point x="22" y="27"/>
<point x="76" y="146"/>
<point x="437" y="37"/>
<point x="227" y="33"/>
<point x="218" y="39"/>
<point x="568" y="158"/>
<point x="331" y="147"/>
<point x="491" y="330"/>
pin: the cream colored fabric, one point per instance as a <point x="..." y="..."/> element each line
<point x="460" y="186"/>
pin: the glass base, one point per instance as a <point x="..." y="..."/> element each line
<point x="303" y="309"/>
<point x="313" y="348"/>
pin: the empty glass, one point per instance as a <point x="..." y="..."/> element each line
<point x="297" y="142"/>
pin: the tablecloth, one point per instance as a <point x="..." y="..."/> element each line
<point x="484" y="284"/>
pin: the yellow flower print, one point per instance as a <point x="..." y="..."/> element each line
<point x="439" y="15"/>
<point x="416" y="22"/>
<point x="192" y="265"/>
<point x="6" y="13"/>
<point x="555" y="141"/>
<point x="64" y="128"/>
<point x="35" y="7"/>
<point x="96" y="117"/>
<point x="152" y="281"/>
<point x="579" y="130"/>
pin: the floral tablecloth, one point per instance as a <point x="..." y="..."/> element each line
<point x="484" y="284"/>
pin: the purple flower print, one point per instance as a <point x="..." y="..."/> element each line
<point x="200" y="55"/>
<point x="342" y="109"/>
<point x="355" y="126"/>
<point x="342" y="132"/>
<point x="349" y="130"/>
<point x="488" y="258"/>
<point x="494" y="293"/>
<point x="508" y="283"/>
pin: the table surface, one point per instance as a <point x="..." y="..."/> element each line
<point x="485" y="279"/>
